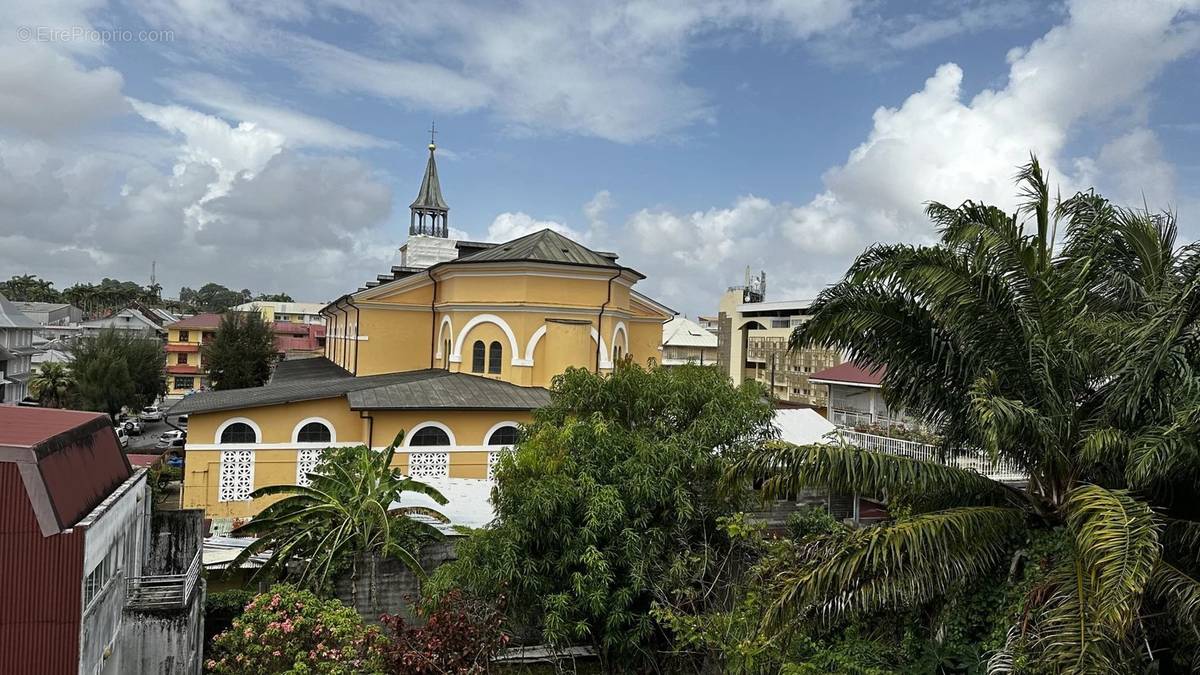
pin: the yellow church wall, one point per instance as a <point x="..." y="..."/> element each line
<point x="645" y="341"/>
<point x="563" y="291"/>
<point x="396" y="341"/>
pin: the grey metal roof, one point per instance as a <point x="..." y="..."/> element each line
<point x="318" y="378"/>
<point x="543" y="246"/>
<point x="454" y="391"/>
<point x="430" y="194"/>
<point x="11" y="317"/>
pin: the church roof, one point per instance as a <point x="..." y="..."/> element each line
<point x="11" y="317"/>
<point x="430" y="194"/>
<point x="543" y="246"/>
<point x="318" y="378"/>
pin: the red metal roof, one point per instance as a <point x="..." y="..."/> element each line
<point x="144" y="461"/>
<point x="199" y="322"/>
<point x="69" y="461"/>
<point x="851" y="374"/>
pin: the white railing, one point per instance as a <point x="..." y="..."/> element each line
<point x="163" y="591"/>
<point x="975" y="460"/>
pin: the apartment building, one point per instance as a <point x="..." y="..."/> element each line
<point x="16" y="352"/>
<point x="753" y="339"/>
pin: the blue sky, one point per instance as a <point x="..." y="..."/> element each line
<point x="276" y="146"/>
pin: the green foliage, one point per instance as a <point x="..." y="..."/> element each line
<point x="610" y="502"/>
<point x="346" y="511"/>
<point x="288" y="630"/>
<point x="212" y="297"/>
<point x="29" y="288"/>
<point x="52" y="386"/>
<point x="115" y="370"/>
<point x="274" y="297"/>
<point x="97" y="300"/>
<point x="221" y="608"/>
<point x="1076" y="362"/>
<point x="241" y="353"/>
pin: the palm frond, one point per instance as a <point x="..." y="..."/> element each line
<point x="1117" y="537"/>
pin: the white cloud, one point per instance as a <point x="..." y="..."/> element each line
<point x="507" y="226"/>
<point x="45" y="93"/>
<point x="298" y="129"/>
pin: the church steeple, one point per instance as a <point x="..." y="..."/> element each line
<point x="430" y="214"/>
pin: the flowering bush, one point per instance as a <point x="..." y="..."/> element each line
<point x="460" y="635"/>
<point x="292" y="631"/>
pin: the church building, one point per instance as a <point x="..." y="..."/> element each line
<point x="455" y="346"/>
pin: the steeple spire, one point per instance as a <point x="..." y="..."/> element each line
<point x="430" y="214"/>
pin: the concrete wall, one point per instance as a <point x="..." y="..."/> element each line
<point x="386" y="586"/>
<point x="167" y="641"/>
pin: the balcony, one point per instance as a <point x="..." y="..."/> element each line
<point x="163" y="591"/>
<point x="181" y="369"/>
<point x="973" y="460"/>
<point x="175" y="347"/>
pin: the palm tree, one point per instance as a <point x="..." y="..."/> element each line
<point x="1081" y="367"/>
<point x="52" y="386"/>
<point x="346" y="510"/>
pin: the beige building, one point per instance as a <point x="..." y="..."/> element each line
<point x="753" y="336"/>
<point x="292" y="312"/>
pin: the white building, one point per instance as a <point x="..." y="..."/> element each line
<point x="685" y="341"/>
<point x="16" y="352"/>
<point x="293" y="312"/>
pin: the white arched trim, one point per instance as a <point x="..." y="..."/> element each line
<point x="604" y="353"/>
<point x="456" y="355"/>
<point x="322" y="420"/>
<point x="625" y="334"/>
<point x="499" y="425"/>
<point x="234" y="420"/>
<point x="408" y="436"/>
<point x="442" y="335"/>
<point x="533" y="343"/>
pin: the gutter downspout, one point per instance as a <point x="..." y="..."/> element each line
<point x="370" y="427"/>
<point x="433" y="324"/>
<point x="357" y="318"/>
<point x="346" y="330"/>
<point x="600" y="319"/>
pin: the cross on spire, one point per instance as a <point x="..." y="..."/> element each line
<point x="432" y="134"/>
<point x="429" y="210"/>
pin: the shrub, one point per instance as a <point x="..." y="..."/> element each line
<point x="460" y="636"/>
<point x="221" y="608"/>
<point x="287" y="630"/>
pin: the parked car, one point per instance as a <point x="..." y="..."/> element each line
<point x="122" y="437"/>
<point x="170" y="445"/>
<point x="175" y="460"/>
<point x="171" y="435"/>
<point x="152" y="413"/>
<point x="133" y="426"/>
<point x="181" y="422"/>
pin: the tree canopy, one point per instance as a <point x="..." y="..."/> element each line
<point x="610" y="503"/>
<point x="1076" y="362"/>
<point x="241" y="353"/>
<point x="115" y="369"/>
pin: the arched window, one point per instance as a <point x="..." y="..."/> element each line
<point x="503" y="436"/>
<point x="313" y="432"/>
<point x="426" y="436"/>
<point x="446" y="355"/>
<point x="495" y="355"/>
<point x="239" y="432"/>
<point x="477" y="357"/>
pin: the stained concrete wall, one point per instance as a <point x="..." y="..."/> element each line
<point x="168" y="641"/>
<point x="387" y="586"/>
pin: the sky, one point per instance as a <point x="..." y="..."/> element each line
<point x="276" y="146"/>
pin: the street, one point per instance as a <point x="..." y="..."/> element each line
<point x="144" y="444"/>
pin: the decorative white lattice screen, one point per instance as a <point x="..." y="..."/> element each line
<point x="493" y="460"/>
<point x="306" y="463"/>
<point x="236" y="480"/>
<point x="428" y="464"/>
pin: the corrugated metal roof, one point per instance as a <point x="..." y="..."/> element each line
<point x="317" y="378"/>
<point x="40" y="584"/>
<point x="850" y="373"/>
<point x="11" y="317"/>
<point x="207" y="320"/>
<point x="683" y="332"/>
<point x="79" y="459"/>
